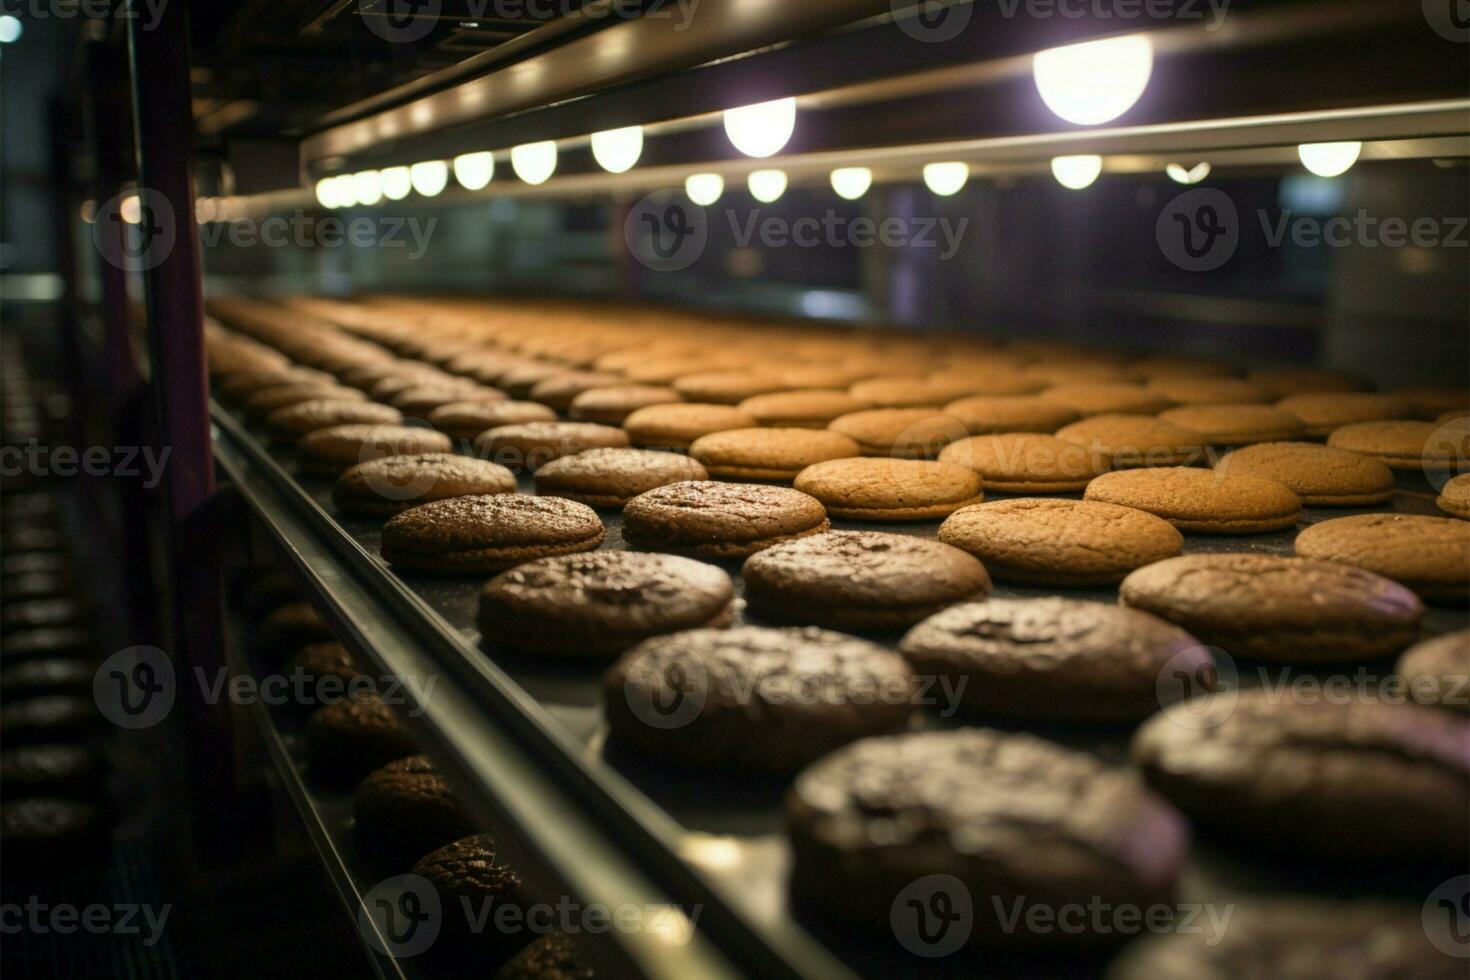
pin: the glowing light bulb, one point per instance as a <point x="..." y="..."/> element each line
<point x="767" y="186"/>
<point x="534" y="162"/>
<point x="946" y="179"/>
<point x="327" y="194"/>
<point x="1193" y="175"/>
<point x="617" y="150"/>
<point x="475" y="170"/>
<point x="761" y="130"/>
<point x="704" y="189"/>
<point x="1329" y="159"/>
<point x="1076" y="172"/>
<point x="131" y="209"/>
<point x="346" y="191"/>
<point x="1095" y="81"/>
<point x="851" y="183"/>
<point x="429" y="177"/>
<point x="10" y="29"/>
<point x="396" y="183"/>
<point x="367" y="187"/>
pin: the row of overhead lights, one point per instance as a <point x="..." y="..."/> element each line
<point x="1086" y="84"/>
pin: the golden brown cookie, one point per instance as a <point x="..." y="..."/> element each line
<point x="1320" y="475"/>
<point x="1027" y="462"/>
<point x="1010" y="413"/>
<point x="676" y="426"/>
<point x="609" y="478"/>
<point x="1455" y="497"/>
<point x="1136" y="440"/>
<point x="769" y="454"/>
<point x="384" y="487"/>
<point x="829" y="377"/>
<point x="1201" y="501"/>
<point x="1179" y="366"/>
<point x="720" y="520"/>
<point x="1055" y="372"/>
<point x="1061" y="542"/>
<point x="1433" y="401"/>
<point x="872" y="489"/>
<point x="1323" y="412"/>
<point x="1437" y="671"/>
<point x="1194" y="390"/>
<point x="1409" y="445"/>
<point x="811" y="409"/>
<point x="911" y="392"/>
<point x="465" y="420"/>
<point x="559" y="390"/>
<point x="1284" y="382"/>
<point x="906" y="433"/>
<point x="297" y="420"/>
<point x="1235" y="425"/>
<point x="329" y="452"/>
<point x="1108" y="398"/>
<point x="613" y="405"/>
<point x="420" y="401"/>
<point x="1430" y="555"/>
<point x="726" y="387"/>
<point x="534" y="444"/>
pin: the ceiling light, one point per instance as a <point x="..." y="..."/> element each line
<point x="704" y="189"/>
<point x="367" y="188"/>
<point x="1076" y="172"/>
<point x="534" y="162"/>
<point x="396" y="183"/>
<point x="475" y="170"/>
<point x="429" y="177"/>
<point x="617" y="150"/>
<point x="1095" y="81"/>
<point x="1193" y="175"/>
<point x="851" y="183"/>
<point x="1329" y="159"/>
<point x="946" y="179"/>
<point x="767" y="186"/>
<point x="761" y="130"/>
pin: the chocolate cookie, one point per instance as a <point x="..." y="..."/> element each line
<point x="534" y="444"/>
<point x="1430" y="555"/>
<point x="1437" y="671"/>
<point x="1455" y="497"/>
<point x="1019" y="821"/>
<point x="1286" y="610"/>
<point x="349" y="739"/>
<point x="552" y="957"/>
<point x="330" y="452"/>
<point x="720" y="520"/>
<point x="609" y="478"/>
<point x="384" y="487"/>
<point x="466" y="420"/>
<point x="489" y="533"/>
<point x="316" y="661"/>
<point x="1108" y="398"/>
<point x="1131" y="441"/>
<point x="1201" y="501"/>
<point x="263" y="403"/>
<point x="769" y="454"/>
<point x="611" y="406"/>
<point x="906" y="433"/>
<point x="676" y="426"/>
<point x="1054" y="660"/>
<point x="297" y="420"/>
<point x="1061" y="542"/>
<point x="860" y="580"/>
<point x="1409" y="445"/>
<point x="1362" y="781"/>
<point x="984" y="414"/>
<point x="1027" y="462"/>
<point x="800" y="409"/>
<point x="421" y="401"/>
<point x="754" y="700"/>
<point x="1237" y="424"/>
<point x="871" y="489"/>
<point x="288" y="628"/>
<point x="1320" y="475"/>
<point x="580" y="607"/>
<point x="406" y="809"/>
<point x="56" y="770"/>
<point x="471" y="881"/>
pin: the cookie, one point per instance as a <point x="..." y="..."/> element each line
<point x="330" y="452"/>
<point x="42" y="835"/>
<point x="263" y="403"/>
<point x="800" y="409"/>
<point x="1320" y="413"/>
<point x="984" y="414"/>
<point x="906" y="433"/>
<point x="466" y="420"/>
<point x="726" y="387"/>
<point x="559" y="390"/>
<point x="1108" y="398"/>
<point x="775" y="455"/>
<point x="489" y="534"/>
<point x="860" y="580"/>
<point x="765" y="701"/>
<point x="1236" y="425"/>
<point x="1054" y="660"/>
<point x="588" y="607"/>
<point x="288" y="628"/>
<point x="295" y="421"/>
<point x="1019" y="821"/>
<point x="421" y="401"/>
<point x="1409" y="445"/>
<point x="1284" y="610"/>
<point x="349" y="739"/>
<point x="1201" y="501"/>
<point x="913" y="392"/>
<point x="720" y="520"/>
<point x="612" y="405"/>
<point x="406" y="809"/>
<point x="1437" y="671"/>
<point x="1320" y="475"/>
<point x="552" y="957"/>
<point x="534" y="444"/>
<point x="1455" y="497"/>
<point x="317" y="661"/>
<point x="1284" y="382"/>
<point x="1197" y="390"/>
<point x="473" y="882"/>
<point x="676" y="426"/>
<point x="1061" y="542"/>
<point x="871" y="489"/>
<point x="1186" y="366"/>
<point x="609" y="478"/>
<point x="240" y="385"/>
<point x="1430" y="555"/>
<point x="1360" y="781"/>
<point x="57" y="770"/>
<point x="1053" y="372"/>
<point x="1132" y="441"/>
<point x="1432" y="401"/>
<point x="1027" y="462"/>
<point x="32" y="678"/>
<point x="48" y="718"/>
<point x="384" y="487"/>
